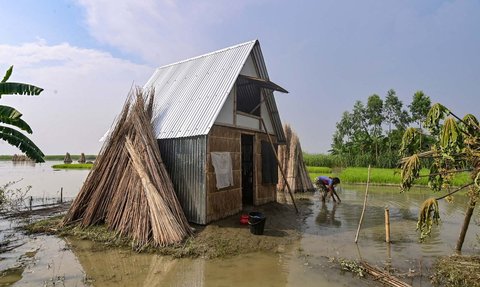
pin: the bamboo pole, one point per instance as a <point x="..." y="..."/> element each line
<point x="383" y="277"/>
<point x="279" y="164"/>
<point x="387" y="225"/>
<point x="364" y="205"/>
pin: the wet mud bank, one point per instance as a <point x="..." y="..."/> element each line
<point x="223" y="238"/>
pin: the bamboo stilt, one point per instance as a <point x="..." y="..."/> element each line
<point x="387" y="225"/>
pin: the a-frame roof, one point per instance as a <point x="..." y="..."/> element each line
<point x="190" y="94"/>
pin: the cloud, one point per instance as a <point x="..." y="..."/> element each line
<point x="159" y="31"/>
<point x="84" y="90"/>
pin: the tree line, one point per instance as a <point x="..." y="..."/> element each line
<point x="371" y="133"/>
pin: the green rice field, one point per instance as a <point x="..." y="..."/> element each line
<point x="381" y="176"/>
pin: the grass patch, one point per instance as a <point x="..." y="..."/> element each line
<point x="377" y="175"/>
<point x="382" y="176"/>
<point x="456" y="271"/>
<point x="319" y="169"/>
<point x="73" y="166"/>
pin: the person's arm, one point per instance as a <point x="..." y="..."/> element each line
<point x="334" y="192"/>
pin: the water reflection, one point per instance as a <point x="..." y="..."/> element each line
<point x="114" y="267"/>
<point x="326" y="217"/>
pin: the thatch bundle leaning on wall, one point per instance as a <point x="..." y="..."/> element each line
<point x="128" y="187"/>
<point x="291" y="158"/>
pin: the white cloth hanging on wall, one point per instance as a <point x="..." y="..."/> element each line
<point x="222" y="163"/>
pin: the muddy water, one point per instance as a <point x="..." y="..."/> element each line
<point x="328" y="232"/>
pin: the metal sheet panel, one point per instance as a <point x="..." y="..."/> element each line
<point x="190" y="94"/>
<point x="185" y="161"/>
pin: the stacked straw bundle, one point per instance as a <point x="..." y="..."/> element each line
<point x="128" y="187"/>
<point x="291" y="158"/>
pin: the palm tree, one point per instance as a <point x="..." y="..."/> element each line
<point x="11" y="123"/>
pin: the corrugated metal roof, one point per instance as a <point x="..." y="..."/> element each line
<point x="190" y="94"/>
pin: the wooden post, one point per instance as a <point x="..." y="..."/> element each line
<point x="364" y="205"/>
<point x="31" y="200"/>
<point x="387" y="225"/>
<point x="279" y="164"/>
<point x="61" y="195"/>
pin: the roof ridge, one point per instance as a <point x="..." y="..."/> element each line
<point x="208" y="54"/>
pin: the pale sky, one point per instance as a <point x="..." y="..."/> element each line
<point x="87" y="54"/>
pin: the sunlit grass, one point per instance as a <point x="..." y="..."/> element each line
<point x="378" y="175"/>
<point x="73" y="166"/>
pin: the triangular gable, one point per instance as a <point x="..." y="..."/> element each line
<point x="191" y="93"/>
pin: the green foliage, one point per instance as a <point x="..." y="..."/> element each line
<point x="8" y="73"/>
<point x="419" y="107"/>
<point x="410" y="171"/>
<point x="435" y="114"/>
<point x="323" y="160"/>
<point x="409" y="140"/>
<point x="457" y="148"/>
<point x="10" y="117"/>
<point x="11" y="88"/>
<point x="429" y="214"/>
<point x="450" y="135"/>
<point x="361" y="139"/>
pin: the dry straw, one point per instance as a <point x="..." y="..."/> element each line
<point x="128" y="187"/>
<point x="291" y="158"/>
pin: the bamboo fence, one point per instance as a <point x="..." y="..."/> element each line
<point x="128" y="187"/>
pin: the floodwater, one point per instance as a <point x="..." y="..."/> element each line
<point x="328" y="232"/>
<point x="45" y="181"/>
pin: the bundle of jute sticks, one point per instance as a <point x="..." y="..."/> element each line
<point x="128" y="188"/>
<point x="291" y="158"/>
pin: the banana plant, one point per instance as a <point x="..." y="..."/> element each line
<point x="12" y="126"/>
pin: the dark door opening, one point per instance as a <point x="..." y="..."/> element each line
<point x="247" y="169"/>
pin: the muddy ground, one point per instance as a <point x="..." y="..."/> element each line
<point x="223" y="238"/>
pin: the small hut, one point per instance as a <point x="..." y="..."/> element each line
<point x="216" y="121"/>
<point x="291" y="157"/>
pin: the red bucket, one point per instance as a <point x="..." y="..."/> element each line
<point x="244" y="219"/>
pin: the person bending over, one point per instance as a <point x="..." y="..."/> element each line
<point x="327" y="185"/>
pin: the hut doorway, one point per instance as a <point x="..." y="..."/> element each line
<point x="247" y="169"/>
